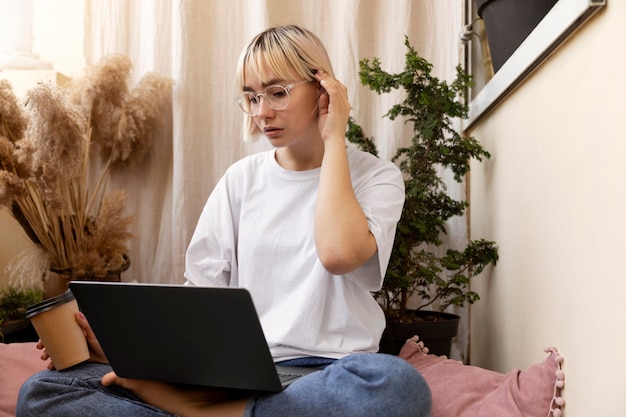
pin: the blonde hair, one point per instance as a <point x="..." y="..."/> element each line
<point x="291" y="52"/>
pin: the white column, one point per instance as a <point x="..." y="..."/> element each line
<point x="16" y="36"/>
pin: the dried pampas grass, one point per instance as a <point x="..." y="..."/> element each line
<point x="13" y="121"/>
<point x="45" y="153"/>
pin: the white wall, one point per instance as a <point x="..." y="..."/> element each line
<point x="553" y="196"/>
<point x="58" y="37"/>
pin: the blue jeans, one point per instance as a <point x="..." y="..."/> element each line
<point x="360" y="385"/>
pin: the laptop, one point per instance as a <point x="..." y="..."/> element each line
<point x="202" y="336"/>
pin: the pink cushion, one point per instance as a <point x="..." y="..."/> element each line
<point x="460" y="390"/>
<point x="18" y="361"/>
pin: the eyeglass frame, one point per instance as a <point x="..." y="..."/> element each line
<point x="258" y="96"/>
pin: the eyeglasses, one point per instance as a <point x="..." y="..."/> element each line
<point x="276" y="96"/>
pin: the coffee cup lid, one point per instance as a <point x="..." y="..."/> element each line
<point x="49" y="304"/>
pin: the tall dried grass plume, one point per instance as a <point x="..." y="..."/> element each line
<point x="51" y="149"/>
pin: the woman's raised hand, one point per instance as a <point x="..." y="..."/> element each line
<point x="334" y="107"/>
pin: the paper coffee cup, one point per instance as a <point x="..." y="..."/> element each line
<point x="54" y="320"/>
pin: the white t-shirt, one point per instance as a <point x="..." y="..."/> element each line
<point x="256" y="232"/>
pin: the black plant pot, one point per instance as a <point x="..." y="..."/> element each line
<point x="17" y="331"/>
<point x="435" y="329"/>
<point x="508" y="23"/>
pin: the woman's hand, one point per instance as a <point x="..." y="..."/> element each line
<point x="95" y="350"/>
<point x="97" y="354"/>
<point x="334" y="107"/>
<point x="44" y="354"/>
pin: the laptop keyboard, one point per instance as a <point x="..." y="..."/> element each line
<point x="287" y="377"/>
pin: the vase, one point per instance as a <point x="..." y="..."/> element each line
<point x="15" y="331"/>
<point x="57" y="280"/>
<point x="508" y="23"/>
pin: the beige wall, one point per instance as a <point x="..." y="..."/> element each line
<point x="12" y="242"/>
<point x="554" y="198"/>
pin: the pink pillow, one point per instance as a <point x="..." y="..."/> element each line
<point x="18" y="361"/>
<point x="460" y="390"/>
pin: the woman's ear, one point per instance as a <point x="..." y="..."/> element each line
<point x="322" y="90"/>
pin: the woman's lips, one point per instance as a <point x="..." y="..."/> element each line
<point x="271" y="132"/>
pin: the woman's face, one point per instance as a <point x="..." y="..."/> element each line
<point x="296" y="123"/>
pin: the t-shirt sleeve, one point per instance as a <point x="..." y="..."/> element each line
<point x="211" y="256"/>
<point x="380" y="192"/>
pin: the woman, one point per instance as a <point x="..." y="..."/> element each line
<point x="307" y="228"/>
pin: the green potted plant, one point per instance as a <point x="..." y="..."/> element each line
<point x="13" y="323"/>
<point x="416" y="268"/>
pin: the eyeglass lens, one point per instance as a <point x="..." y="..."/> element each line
<point x="276" y="96"/>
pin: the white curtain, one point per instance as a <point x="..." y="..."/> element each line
<point x="197" y="42"/>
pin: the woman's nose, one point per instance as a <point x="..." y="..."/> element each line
<point x="264" y="108"/>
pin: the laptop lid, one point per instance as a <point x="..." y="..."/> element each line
<point x="181" y="334"/>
